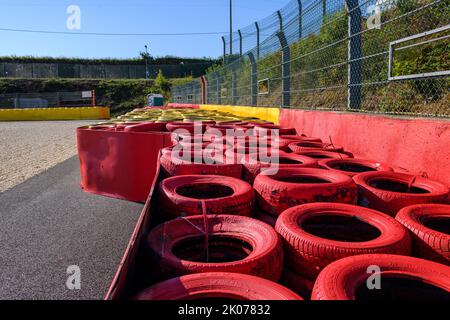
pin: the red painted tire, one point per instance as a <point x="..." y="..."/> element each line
<point x="245" y="127"/>
<point x="207" y="122"/>
<point x="316" y="234"/>
<point x="191" y="127"/>
<point x="252" y="144"/>
<point x="321" y="154"/>
<point x="387" y="191"/>
<point x="292" y="187"/>
<point x="345" y="279"/>
<point x="223" y="129"/>
<point x="194" y="145"/>
<point x="200" y="163"/>
<point x="300" y="146"/>
<point x="195" y="151"/>
<point x="288" y="131"/>
<point x="260" y="123"/>
<point x="429" y="225"/>
<point x="241" y="155"/>
<point x="266" y="218"/>
<point x="183" y="196"/>
<point x="217" y="285"/>
<point x="146" y="127"/>
<point x="167" y="150"/>
<point x="285" y="140"/>
<point x="300" y="285"/>
<point x="197" y="137"/>
<point x="352" y="167"/>
<point x="232" y="123"/>
<point x="246" y="139"/>
<point x="265" y="130"/>
<point x="236" y="244"/>
<point x="253" y="165"/>
<point x="205" y="145"/>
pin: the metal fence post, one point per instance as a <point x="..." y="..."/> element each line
<point x="234" y="86"/>
<point x="324" y="10"/>
<point x="219" y="90"/>
<point x="354" y="54"/>
<point x="300" y="23"/>
<point x="280" y="21"/>
<point x="240" y="42"/>
<point x="254" y="79"/>
<point x="224" y="50"/>
<point x="258" y="40"/>
<point x="286" y="69"/>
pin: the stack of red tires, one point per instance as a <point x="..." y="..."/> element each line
<point x="268" y="213"/>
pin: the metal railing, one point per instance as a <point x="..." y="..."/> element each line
<point x="379" y="56"/>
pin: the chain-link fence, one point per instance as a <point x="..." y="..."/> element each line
<point x="47" y="100"/>
<point x="99" y="71"/>
<point x="380" y="56"/>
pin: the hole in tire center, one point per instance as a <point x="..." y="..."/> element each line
<point x="439" y="224"/>
<point x="395" y="186"/>
<point x="302" y="179"/>
<point x="284" y="160"/>
<point x="401" y="288"/>
<point x="205" y="191"/>
<point x="309" y="144"/>
<point x="340" y="228"/>
<point x="222" y="248"/>
<point x="318" y="156"/>
<point x="351" y="167"/>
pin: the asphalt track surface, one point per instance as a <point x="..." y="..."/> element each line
<point x="48" y="223"/>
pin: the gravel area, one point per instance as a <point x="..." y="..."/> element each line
<point x="28" y="148"/>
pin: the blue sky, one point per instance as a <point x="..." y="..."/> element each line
<point x="124" y="16"/>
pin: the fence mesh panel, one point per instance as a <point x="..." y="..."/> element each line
<point x="99" y="71"/>
<point x="342" y="55"/>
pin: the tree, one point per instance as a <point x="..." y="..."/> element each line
<point x="146" y="56"/>
<point x="162" y="82"/>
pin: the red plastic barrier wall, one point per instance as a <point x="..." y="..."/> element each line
<point x="422" y="146"/>
<point x="119" y="164"/>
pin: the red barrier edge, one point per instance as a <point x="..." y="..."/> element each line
<point x="119" y="164"/>
<point x="183" y="105"/>
<point x="119" y="282"/>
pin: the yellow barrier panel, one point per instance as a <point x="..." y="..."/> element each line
<point x="85" y="113"/>
<point x="264" y="113"/>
